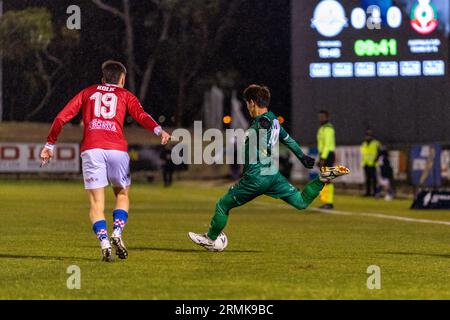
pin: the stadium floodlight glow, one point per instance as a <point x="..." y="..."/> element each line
<point x="227" y="119"/>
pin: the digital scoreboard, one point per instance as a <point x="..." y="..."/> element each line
<point x="378" y="64"/>
<point x="368" y="39"/>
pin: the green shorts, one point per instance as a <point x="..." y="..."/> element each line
<point x="249" y="188"/>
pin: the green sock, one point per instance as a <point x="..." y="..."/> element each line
<point x="220" y="219"/>
<point x="312" y="190"/>
<point x="218" y="224"/>
<point x="302" y="200"/>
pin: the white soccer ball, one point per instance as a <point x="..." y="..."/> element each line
<point x="221" y="243"/>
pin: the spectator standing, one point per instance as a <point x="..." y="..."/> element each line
<point x="386" y="176"/>
<point x="168" y="167"/>
<point x="370" y="150"/>
<point x="326" y="145"/>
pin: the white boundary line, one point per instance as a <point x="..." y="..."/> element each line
<point x="382" y="216"/>
<point x="366" y="214"/>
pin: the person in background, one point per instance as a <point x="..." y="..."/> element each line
<point x="386" y="176"/>
<point x="235" y="167"/>
<point x="168" y="166"/>
<point x="326" y="145"/>
<point x="370" y="150"/>
<point x="286" y="166"/>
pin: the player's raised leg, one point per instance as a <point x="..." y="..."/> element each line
<point x="120" y="216"/>
<point x="97" y="216"/>
<point x="302" y="200"/>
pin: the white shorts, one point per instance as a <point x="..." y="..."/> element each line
<point x="102" y="167"/>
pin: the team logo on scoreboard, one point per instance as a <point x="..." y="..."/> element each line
<point x="329" y="18"/>
<point x="424" y="17"/>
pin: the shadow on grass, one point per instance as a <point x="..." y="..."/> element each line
<point x="434" y="255"/>
<point x="49" y="258"/>
<point x="188" y="250"/>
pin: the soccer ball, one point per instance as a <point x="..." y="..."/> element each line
<point x="221" y="243"/>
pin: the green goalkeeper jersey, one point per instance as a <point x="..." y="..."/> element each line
<point x="264" y="133"/>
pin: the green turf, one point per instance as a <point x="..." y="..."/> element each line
<point x="274" y="252"/>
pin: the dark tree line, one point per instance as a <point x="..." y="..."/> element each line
<point x="179" y="39"/>
<point x="174" y="51"/>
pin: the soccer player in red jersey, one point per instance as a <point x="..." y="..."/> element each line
<point x="104" y="149"/>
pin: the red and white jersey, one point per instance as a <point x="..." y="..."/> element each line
<point x="104" y="108"/>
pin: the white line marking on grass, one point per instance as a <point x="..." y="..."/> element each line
<point x="364" y="214"/>
<point x="382" y="216"/>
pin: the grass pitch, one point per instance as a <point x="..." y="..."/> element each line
<point x="275" y="252"/>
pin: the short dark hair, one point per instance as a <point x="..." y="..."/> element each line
<point x="325" y="113"/>
<point x="112" y="70"/>
<point x="258" y="94"/>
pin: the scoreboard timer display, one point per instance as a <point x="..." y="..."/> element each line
<point x="370" y="39"/>
<point x="379" y="64"/>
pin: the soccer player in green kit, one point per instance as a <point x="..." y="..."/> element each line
<point x="260" y="176"/>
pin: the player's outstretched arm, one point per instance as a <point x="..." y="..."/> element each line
<point x="287" y="140"/>
<point x="67" y="114"/>
<point x="165" y="137"/>
<point x="138" y="113"/>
